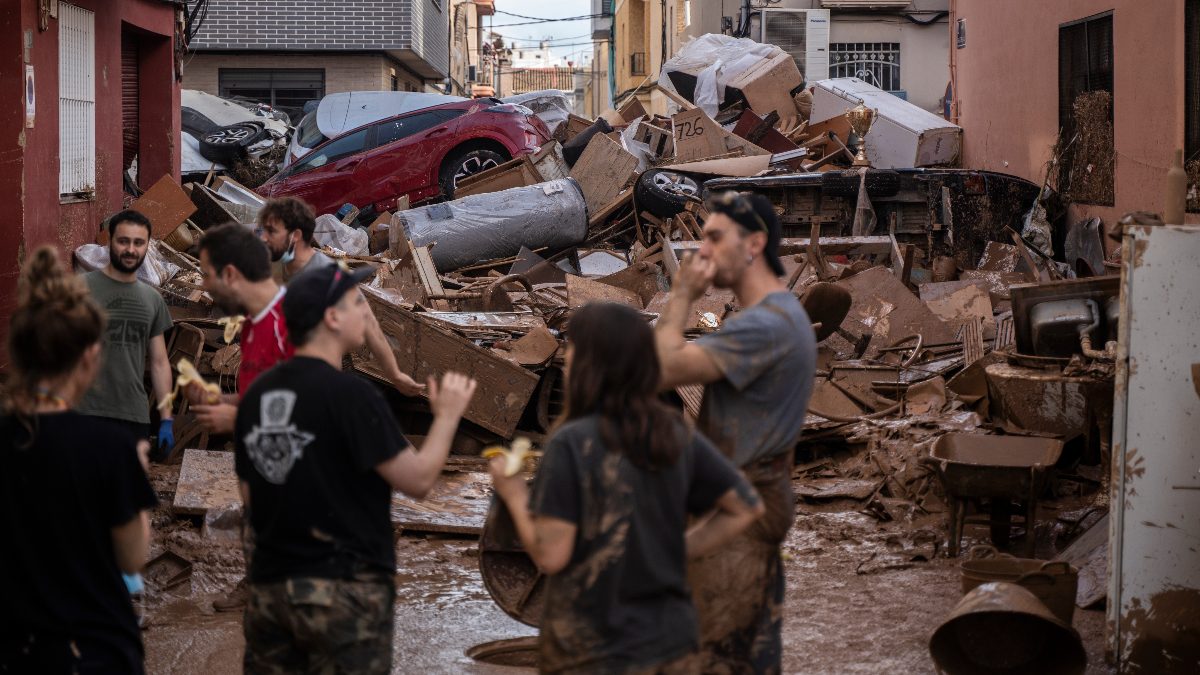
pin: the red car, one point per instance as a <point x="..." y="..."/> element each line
<point x="422" y="154"/>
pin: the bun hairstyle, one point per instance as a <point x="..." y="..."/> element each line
<point x="56" y="320"/>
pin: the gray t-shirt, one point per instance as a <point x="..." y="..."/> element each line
<point x="768" y="355"/>
<point x="136" y="313"/>
<point x="317" y="261"/>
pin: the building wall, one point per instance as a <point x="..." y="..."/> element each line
<point x="29" y="158"/>
<point x="343" y="72"/>
<point x="1006" y="85"/>
<point x="629" y="19"/>
<point x="419" y="27"/>
<point x="924" y="64"/>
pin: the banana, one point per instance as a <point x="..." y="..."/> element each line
<point x="514" y="457"/>
<point x="189" y="377"/>
<point x="233" y="326"/>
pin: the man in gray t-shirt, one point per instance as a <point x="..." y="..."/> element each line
<point x="758" y="374"/>
<point x="137" y="320"/>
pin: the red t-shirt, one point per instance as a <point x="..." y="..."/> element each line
<point x="264" y="343"/>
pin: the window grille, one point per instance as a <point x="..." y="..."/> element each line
<point x="876" y="63"/>
<point x="76" y="101"/>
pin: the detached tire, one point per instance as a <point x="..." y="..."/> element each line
<point x="228" y="144"/>
<point x="458" y="167"/>
<point x="665" y="193"/>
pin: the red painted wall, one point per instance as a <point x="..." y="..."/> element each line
<point x="1007" y="86"/>
<point x="30" y="211"/>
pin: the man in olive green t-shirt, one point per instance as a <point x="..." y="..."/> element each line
<point x="137" y="319"/>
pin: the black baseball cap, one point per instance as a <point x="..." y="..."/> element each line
<point x="314" y="291"/>
<point x="755" y="213"/>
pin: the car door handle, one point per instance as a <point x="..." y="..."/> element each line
<point x="436" y="132"/>
<point x="350" y="165"/>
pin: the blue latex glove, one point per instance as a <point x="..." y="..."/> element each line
<point x="166" y="436"/>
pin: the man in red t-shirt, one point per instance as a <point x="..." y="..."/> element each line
<point x="237" y="274"/>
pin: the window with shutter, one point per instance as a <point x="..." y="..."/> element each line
<point x="1085" y="108"/>
<point x="76" y="102"/>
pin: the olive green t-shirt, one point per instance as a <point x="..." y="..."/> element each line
<point x="136" y="313"/>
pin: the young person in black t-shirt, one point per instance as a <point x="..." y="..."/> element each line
<point x="73" y="492"/>
<point x="318" y="454"/>
<point x="607" y="519"/>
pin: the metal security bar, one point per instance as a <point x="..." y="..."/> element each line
<point x="76" y="101"/>
<point x="876" y="63"/>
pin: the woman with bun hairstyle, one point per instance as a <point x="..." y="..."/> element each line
<point x="74" y="496"/>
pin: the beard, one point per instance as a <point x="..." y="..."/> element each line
<point x="125" y="263"/>
<point x="276" y="256"/>
<point x="228" y="305"/>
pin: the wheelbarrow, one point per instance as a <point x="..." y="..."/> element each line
<point x="998" y="470"/>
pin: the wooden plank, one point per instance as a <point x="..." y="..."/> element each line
<point x="423" y="348"/>
<point x="1089" y="553"/>
<point x="533" y="349"/>
<point x="602" y="171"/>
<point x="206" y="481"/>
<point x="697" y="136"/>
<point x="166" y="205"/>
<point x="632" y="109"/>
<point x="427" y="273"/>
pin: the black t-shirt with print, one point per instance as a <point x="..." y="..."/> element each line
<point x="60" y="498"/>
<point x="308" y="439"/>
<point x="623" y="599"/>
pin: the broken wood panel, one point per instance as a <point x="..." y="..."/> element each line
<point x="428" y="274"/>
<point x="581" y="291"/>
<point x="642" y="278"/>
<point x="206" y="482"/>
<point x="889" y="311"/>
<point x="211" y="210"/>
<point x="602" y="171"/>
<point x="424" y="349"/>
<point x="715" y="301"/>
<point x="959" y="302"/>
<point x="534" y="349"/>
<point x="166" y="205"/>
<point x="697" y="136"/>
<point x="972" y="341"/>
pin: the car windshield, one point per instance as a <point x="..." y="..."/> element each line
<point x="307" y="133"/>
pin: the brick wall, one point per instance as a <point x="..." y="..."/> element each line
<point x="343" y="72"/>
<point x="421" y="26"/>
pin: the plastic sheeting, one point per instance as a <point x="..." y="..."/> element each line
<point x="550" y="105"/>
<point x="155" y="270"/>
<point x="331" y="232"/>
<point x="714" y="60"/>
<point x="496" y="225"/>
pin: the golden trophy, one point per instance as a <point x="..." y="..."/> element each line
<point x="861" y="118"/>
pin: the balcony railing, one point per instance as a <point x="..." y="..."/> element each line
<point x="637" y="63"/>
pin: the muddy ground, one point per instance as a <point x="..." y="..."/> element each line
<point x="857" y="601"/>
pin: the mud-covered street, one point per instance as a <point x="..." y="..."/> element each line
<point x="857" y="602"/>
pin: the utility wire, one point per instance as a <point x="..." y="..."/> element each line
<point x="570" y="18"/>
<point x="537" y="18"/>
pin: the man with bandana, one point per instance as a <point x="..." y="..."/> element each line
<point x="137" y="320"/>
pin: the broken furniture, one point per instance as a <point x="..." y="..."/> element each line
<point x="999" y="470"/>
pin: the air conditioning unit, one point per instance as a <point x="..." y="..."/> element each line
<point x="803" y="33"/>
<point x="472" y="74"/>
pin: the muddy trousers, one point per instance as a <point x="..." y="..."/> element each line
<point x="739" y="590"/>
<point x="319" y="626"/>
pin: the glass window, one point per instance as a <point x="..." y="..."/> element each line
<point x="309" y="135"/>
<point x="394" y="130"/>
<point x="287" y="89"/>
<point x="332" y="151"/>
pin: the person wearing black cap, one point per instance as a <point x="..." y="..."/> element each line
<point x="317" y="456"/>
<point x="757" y="371"/>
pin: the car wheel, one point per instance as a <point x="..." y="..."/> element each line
<point x="459" y="167"/>
<point x="665" y="193"/>
<point x="227" y="144"/>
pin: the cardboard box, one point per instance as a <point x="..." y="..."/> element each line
<point x="768" y="87"/>
<point x="903" y="135"/>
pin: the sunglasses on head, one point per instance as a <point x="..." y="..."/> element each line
<point x="734" y="204"/>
